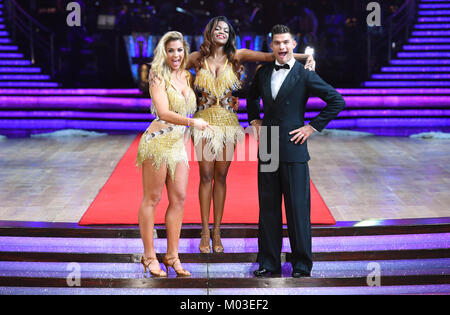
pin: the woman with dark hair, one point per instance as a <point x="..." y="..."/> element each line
<point x="218" y="67"/>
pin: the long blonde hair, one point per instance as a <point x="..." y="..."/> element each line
<point x="159" y="66"/>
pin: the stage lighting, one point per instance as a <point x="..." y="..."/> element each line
<point x="309" y="51"/>
<point x="106" y="22"/>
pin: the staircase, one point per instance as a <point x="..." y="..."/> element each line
<point x="15" y="70"/>
<point x="411" y="95"/>
<point x="30" y="102"/>
<point x="425" y="60"/>
<point x="382" y="257"/>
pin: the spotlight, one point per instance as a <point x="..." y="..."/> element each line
<point x="309" y="51"/>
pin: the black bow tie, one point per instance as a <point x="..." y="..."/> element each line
<point x="285" y="66"/>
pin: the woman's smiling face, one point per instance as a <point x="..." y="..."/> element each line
<point x="175" y="54"/>
<point x="221" y="33"/>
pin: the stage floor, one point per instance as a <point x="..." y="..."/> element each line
<point x="359" y="178"/>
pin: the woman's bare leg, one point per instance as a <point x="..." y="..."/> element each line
<point x="206" y="168"/>
<point x="153" y="183"/>
<point x="221" y="168"/>
<point x="176" y="192"/>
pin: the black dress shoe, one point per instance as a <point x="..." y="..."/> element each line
<point x="262" y="272"/>
<point x="300" y="274"/>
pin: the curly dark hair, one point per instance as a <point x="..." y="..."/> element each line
<point x="229" y="48"/>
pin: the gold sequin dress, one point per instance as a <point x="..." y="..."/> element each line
<point x="163" y="142"/>
<point x="215" y="107"/>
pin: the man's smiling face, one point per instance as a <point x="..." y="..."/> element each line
<point x="283" y="46"/>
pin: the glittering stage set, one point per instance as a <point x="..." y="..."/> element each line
<point x="101" y="254"/>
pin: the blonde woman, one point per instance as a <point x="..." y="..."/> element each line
<point x="161" y="152"/>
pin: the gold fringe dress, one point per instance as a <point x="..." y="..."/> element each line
<point x="163" y="142"/>
<point x="214" y="106"/>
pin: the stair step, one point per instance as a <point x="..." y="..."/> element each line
<point x="428" y="26"/>
<point x="429" y="40"/>
<point x="426" y="54"/>
<point x="435" y="92"/>
<point x="410" y="92"/>
<point x="353" y="100"/>
<point x="15" y="62"/>
<point x="24" y="77"/>
<point x="413" y="62"/>
<point x="430" y="33"/>
<point x="67" y="114"/>
<point x="434" y="6"/>
<point x="427" y="47"/>
<point x="321" y="269"/>
<point x="237" y="249"/>
<point x="29" y="84"/>
<point x="9" y="48"/>
<point x="278" y="291"/>
<point x="249" y="285"/>
<point x="418" y="76"/>
<point x="71" y="92"/>
<point x="10" y="55"/>
<point x="406" y="83"/>
<point x="20" y="69"/>
<point x="441" y="123"/>
<point x="433" y="12"/>
<point x="414" y="69"/>
<point x="438" y="19"/>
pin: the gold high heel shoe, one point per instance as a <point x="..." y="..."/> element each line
<point x="170" y="262"/>
<point x="216" y="242"/>
<point x="155" y="273"/>
<point x="204" y="247"/>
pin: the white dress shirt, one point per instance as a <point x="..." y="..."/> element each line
<point x="279" y="76"/>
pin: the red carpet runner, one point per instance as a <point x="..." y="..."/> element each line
<point x="119" y="199"/>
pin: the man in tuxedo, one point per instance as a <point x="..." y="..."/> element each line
<point x="283" y="156"/>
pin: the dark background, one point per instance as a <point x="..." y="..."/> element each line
<point x="90" y="56"/>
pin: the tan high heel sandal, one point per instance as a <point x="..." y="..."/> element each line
<point x="205" y="247"/>
<point x="170" y="262"/>
<point x="154" y="273"/>
<point x="217" y="242"/>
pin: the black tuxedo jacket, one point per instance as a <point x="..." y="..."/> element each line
<point x="288" y="109"/>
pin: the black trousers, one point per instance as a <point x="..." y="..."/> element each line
<point x="290" y="180"/>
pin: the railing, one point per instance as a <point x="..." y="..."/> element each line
<point x="40" y="41"/>
<point x="382" y="40"/>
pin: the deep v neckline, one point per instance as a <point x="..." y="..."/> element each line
<point x="213" y="74"/>
<point x="186" y="98"/>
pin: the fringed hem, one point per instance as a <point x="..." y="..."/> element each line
<point x="171" y="164"/>
<point x="162" y="151"/>
<point x="219" y="138"/>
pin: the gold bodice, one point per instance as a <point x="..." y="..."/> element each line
<point x="216" y="90"/>
<point x="215" y="107"/>
<point x="163" y="142"/>
<point x="177" y="101"/>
